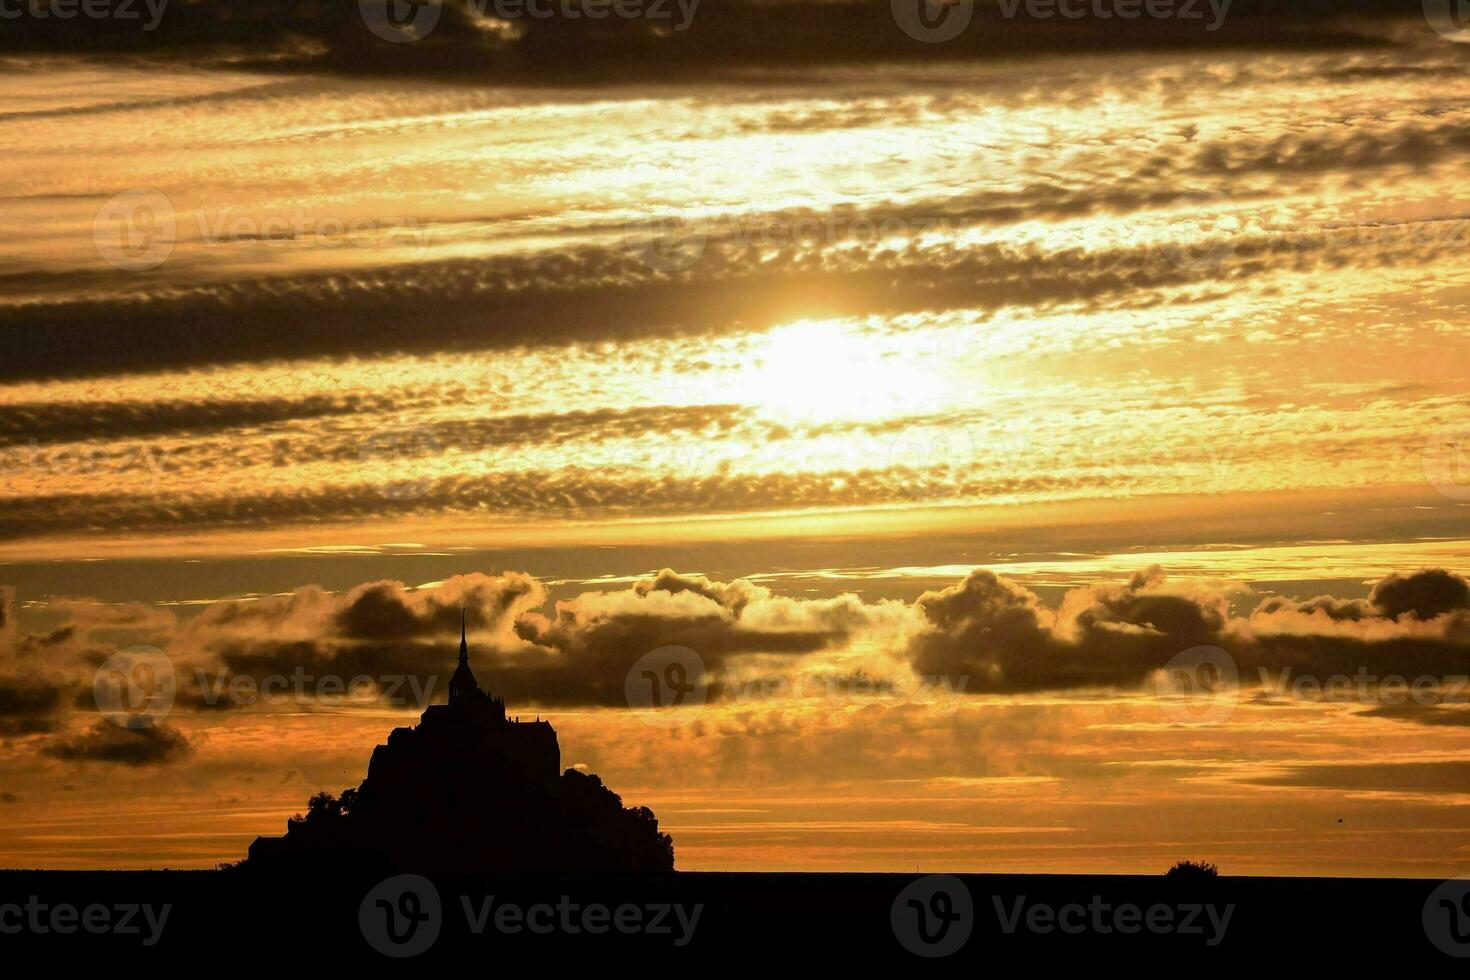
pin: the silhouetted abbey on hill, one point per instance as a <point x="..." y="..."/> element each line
<point x="467" y="791"/>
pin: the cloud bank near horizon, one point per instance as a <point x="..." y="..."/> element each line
<point x="983" y="636"/>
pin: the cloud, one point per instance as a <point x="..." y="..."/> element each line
<point x="47" y="676"/>
<point x="30" y="704"/>
<point x="983" y="635"/>
<point x="578" y="654"/>
<point x="384" y="610"/>
<point x="7" y="618"/>
<point x="719" y="37"/>
<point x="1407" y="777"/>
<point x="542" y="299"/>
<point x="1432" y="715"/>
<point x="397" y="638"/>
<point x="1002" y="638"/>
<point x="106" y="742"/>
<point x="1424" y="595"/>
<point x="61" y="422"/>
<point x="592" y="641"/>
<point x="572" y="492"/>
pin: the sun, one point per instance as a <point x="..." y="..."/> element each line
<point x="832" y="370"/>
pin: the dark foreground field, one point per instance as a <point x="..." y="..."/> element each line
<point x="745" y="920"/>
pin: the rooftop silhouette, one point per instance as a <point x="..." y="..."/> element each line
<point x="469" y="790"/>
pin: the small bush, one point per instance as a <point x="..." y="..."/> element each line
<point x="1192" y="871"/>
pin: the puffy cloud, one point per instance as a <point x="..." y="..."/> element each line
<point x="594" y="639"/>
<point x="1003" y="638"/>
<point x="104" y="741"/>
<point x="30" y="704"/>
<point x="1424" y="595"/>
<point x="577" y="654"/>
<point x="984" y="634"/>
<point x="399" y="639"/>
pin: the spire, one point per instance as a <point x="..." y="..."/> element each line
<point x="464" y="647"/>
<point x="462" y="686"/>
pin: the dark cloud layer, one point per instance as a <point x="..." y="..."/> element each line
<point x="724" y="34"/>
<point x="543" y="300"/>
<point x="30" y="704"/>
<point x="569" y="492"/>
<point x="502" y="303"/>
<point x="1432" y="778"/>
<point x="60" y="422"/>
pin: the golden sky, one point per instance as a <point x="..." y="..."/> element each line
<point x="958" y="395"/>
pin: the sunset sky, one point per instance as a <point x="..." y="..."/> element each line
<point x="936" y="395"/>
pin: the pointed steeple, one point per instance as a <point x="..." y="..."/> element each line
<point x="463" y="688"/>
<point x="464" y="647"/>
